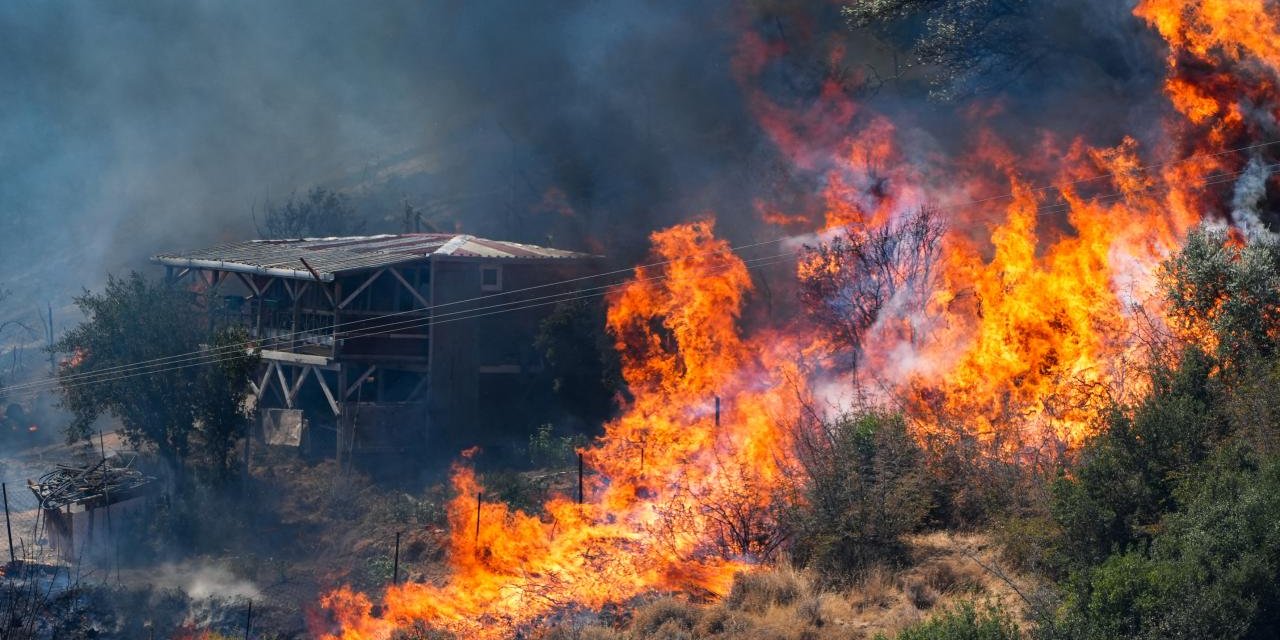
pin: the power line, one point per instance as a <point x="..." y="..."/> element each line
<point x="289" y="336"/>
<point x="210" y="357"/>
<point x="101" y="375"/>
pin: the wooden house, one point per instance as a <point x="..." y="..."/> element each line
<point x="379" y="343"/>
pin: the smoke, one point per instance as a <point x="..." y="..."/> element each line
<point x="1248" y="196"/>
<point x="131" y="129"/>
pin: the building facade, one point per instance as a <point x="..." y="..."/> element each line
<point x="378" y="344"/>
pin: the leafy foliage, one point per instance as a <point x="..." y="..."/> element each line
<point x="135" y="320"/>
<point x="547" y="450"/>
<point x="320" y="213"/>
<point x="1228" y="290"/>
<point x="1126" y="479"/>
<point x="1168" y="522"/>
<point x="969" y="46"/>
<point x="584" y="368"/>
<point x="219" y="404"/>
<point x="1213" y="572"/>
<point x="963" y="622"/>
<point x="865" y="485"/>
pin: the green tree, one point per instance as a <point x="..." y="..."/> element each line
<point x="1213" y="571"/>
<point x="580" y="360"/>
<point x="1125" y="480"/>
<point x="864" y="486"/>
<point x="320" y="213"/>
<point x="1169" y="519"/>
<point x="1228" y="290"/>
<point x="122" y="364"/>
<point x="219" y="403"/>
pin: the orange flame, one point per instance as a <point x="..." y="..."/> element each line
<point x="661" y="471"/>
<point x="1028" y="331"/>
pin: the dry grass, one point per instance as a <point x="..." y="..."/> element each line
<point x="785" y="604"/>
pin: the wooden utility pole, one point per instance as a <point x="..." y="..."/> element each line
<point x="395" y="565"/>
<point x="479" y="501"/>
<point x="53" y="366"/>
<point x="248" y="620"/>
<point x="8" y="528"/>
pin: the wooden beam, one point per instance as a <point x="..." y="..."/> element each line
<point x="361" y="288"/>
<point x="359" y="381"/>
<point x="284" y="388"/>
<point x="328" y="395"/>
<point x="249" y="283"/>
<point x="417" y="389"/>
<point x="297" y="384"/>
<point x="266" y="377"/>
<point x="293" y="357"/>
<point x="417" y="296"/>
<point x="328" y="294"/>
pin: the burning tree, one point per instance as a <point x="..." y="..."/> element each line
<point x="848" y="284"/>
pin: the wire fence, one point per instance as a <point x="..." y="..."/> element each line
<point x="26" y="535"/>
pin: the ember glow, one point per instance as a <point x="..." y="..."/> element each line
<point x="1027" y="330"/>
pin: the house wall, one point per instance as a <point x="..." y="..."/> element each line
<point x="478" y="363"/>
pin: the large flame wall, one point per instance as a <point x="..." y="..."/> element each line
<point x="1028" y="331"/>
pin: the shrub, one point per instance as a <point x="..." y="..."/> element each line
<point x="963" y="622"/>
<point x="1127" y="475"/>
<point x="665" y="618"/>
<point x="756" y="592"/>
<point x="864" y="487"/>
<point x="1211" y="573"/>
<point x="546" y="450"/>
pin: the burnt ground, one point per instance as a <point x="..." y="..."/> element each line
<point x="294" y="529"/>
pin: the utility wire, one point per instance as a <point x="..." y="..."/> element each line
<point x="201" y="356"/>
<point x="209" y="357"/>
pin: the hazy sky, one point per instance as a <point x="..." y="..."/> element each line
<point x="131" y="128"/>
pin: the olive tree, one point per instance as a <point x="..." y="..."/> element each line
<point x="149" y="356"/>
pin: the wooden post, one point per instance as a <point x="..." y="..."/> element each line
<point x="8" y="528"/>
<point x="579" y="477"/>
<point x="337" y="317"/>
<point x="102" y="444"/>
<point x="717" y="411"/>
<point x="258" y="298"/>
<point x="395" y="565"/>
<point x="479" y="500"/>
<point x="248" y="620"/>
<point x="295" y="330"/>
<point x="53" y="366"/>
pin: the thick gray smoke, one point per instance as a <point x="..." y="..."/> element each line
<point x="131" y="128"/>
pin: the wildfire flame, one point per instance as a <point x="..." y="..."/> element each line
<point x="1026" y="333"/>
<point x="661" y="471"/>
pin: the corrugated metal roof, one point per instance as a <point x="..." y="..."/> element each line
<point x="329" y="256"/>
